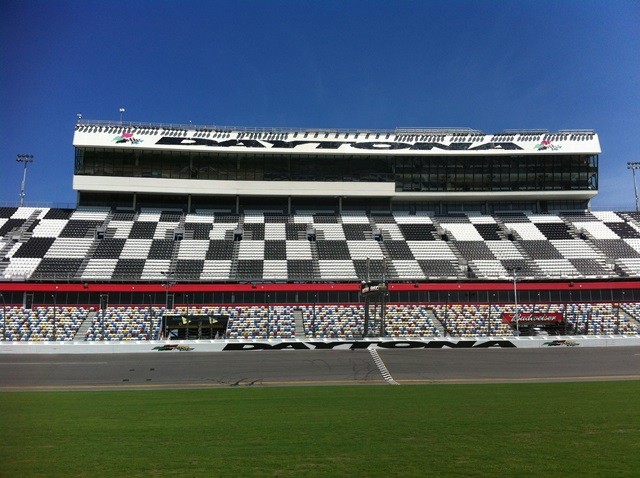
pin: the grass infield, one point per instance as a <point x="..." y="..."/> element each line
<point x="558" y="429"/>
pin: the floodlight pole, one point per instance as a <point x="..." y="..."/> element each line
<point x="633" y="165"/>
<point x="4" y="317"/>
<point x="313" y="318"/>
<point x="492" y="301"/>
<point x="268" y="314"/>
<point x="150" y="317"/>
<point x="446" y="313"/>
<point x="383" y="300"/>
<point x="121" y="111"/>
<point x="168" y="283"/>
<point x="24" y="159"/>
<point x="54" y="316"/>
<point x="516" y="315"/>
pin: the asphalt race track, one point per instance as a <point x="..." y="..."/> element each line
<point x="183" y="369"/>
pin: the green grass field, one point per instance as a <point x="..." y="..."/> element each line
<point x="454" y="430"/>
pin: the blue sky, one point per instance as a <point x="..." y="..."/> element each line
<point x="488" y="65"/>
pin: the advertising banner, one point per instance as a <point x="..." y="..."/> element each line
<point x="534" y="318"/>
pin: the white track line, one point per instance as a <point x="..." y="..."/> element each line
<point x="382" y="367"/>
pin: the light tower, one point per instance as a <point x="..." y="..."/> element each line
<point x="169" y="281"/>
<point x="121" y="110"/>
<point x="516" y="315"/>
<point x="633" y="166"/>
<point x="4" y="317"/>
<point x="25" y="159"/>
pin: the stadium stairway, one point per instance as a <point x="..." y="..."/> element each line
<point x="233" y="273"/>
<point x="391" y="273"/>
<point x="30" y="220"/>
<point x="534" y="269"/>
<point x="20" y="234"/>
<point x="298" y="323"/>
<point x="81" y="334"/>
<point x="627" y="316"/>
<point x="439" y="233"/>
<point x="630" y="219"/>
<point x="314" y="255"/>
<point x="87" y="258"/>
<point x="464" y="267"/>
<point x="621" y="269"/>
<point x="436" y="323"/>
<point x="4" y="263"/>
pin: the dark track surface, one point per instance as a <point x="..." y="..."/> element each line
<point x="331" y="367"/>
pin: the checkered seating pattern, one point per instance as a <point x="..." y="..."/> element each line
<point x="63" y="244"/>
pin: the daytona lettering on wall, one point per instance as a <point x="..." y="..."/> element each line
<point x="407" y="344"/>
<point x="371" y="146"/>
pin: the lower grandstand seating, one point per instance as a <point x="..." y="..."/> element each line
<point x="320" y="321"/>
<point x="603" y="319"/>
<point x="329" y="321"/>
<point x="257" y="322"/>
<point x="472" y="320"/>
<point x="410" y="321"/>
<point x="41" y="323"/>
<point x="125" y="323"/>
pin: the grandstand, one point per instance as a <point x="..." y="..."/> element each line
<point x="186" y="232"/>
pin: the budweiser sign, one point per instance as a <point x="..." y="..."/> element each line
<point x="548" y="318"/>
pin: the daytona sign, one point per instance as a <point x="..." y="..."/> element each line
<point x="405" y="344"/>
<point x="369" y="145"/>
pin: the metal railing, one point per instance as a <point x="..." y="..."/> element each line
<point x="276" y="130"/>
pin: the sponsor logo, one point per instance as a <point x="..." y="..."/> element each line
<point x="371" y="146"/>
<point x="546" y="145"/>
<point x="166" y="347"/>
<point x="533" y="317"/>
<point x="561" y="343"/>
<point x="406" y="344"/>
<point x="127" y="138"/>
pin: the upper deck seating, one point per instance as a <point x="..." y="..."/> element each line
<point x="100" y="245"/>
